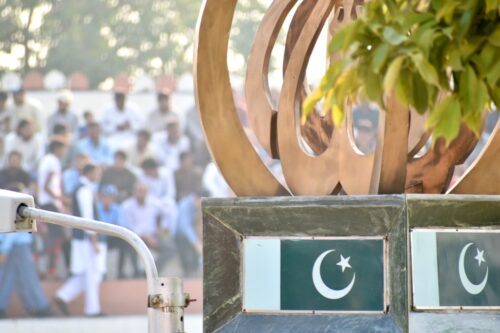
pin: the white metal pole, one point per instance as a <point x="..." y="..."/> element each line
<point x="166" y="298"/>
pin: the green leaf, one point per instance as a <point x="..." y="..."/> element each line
<point x="310" y="103"/>
<point x="494" y="38"/>
<point x="492" y="5"/>
<point x="445" y="119"/>
<point x="468" y="84"/>
<point x="392" y="73"/>
<point x="403" y="87"/>
<point x="447" y="12"/>
<point x="379" y="57"/>
<point x="343" y="38"/>
<point x="453" y="56"/>
<point x="373" y="87"/>
<point x="420" y="96"/>
<point x="394" y="37"/>
<point x="493" y="74"/>
<point x="425" y="68"/>
<point x="338" y="115"/>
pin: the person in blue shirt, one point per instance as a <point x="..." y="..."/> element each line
<point x="18" y="272"/>
<point x="108" y="210"/>
<point x="95" y="146"/>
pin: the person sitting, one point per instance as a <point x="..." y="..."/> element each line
<point x="26" y="141"/>
<point x="63" y="115"/>
<point x="95" y="146"/>
<point x="171" y="144"/>
<point x="143" y="214"/>
<point x="141" y="149"/>
<point x="13" y="173"/>
<point x="187" y="177"/>
<point x="119" y="176"/>
<point x="120" y="122"/>
<point x="25" y="108"/>
<point x="160" y="184"/>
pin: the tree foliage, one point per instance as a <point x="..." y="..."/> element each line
<point x="105" y="37"/>
<point x="437" y="56"/>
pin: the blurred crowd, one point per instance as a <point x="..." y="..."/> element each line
<point x="145" y="170"/>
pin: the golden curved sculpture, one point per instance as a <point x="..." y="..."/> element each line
<point x="316" y="158"/>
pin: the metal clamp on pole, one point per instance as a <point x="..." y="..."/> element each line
<point x="166" y="299"/>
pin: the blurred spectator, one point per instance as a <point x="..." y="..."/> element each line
<point x="95" y="146"/>
<point x="365" y="118"/>
<point x="187" y="177"/>
<point x="159" y="118"/>
<point x="187" y="240"/>
<point x="142" y="148"/>
<point x="142" y="214"/>
<point x="24" y="108"/>
<point x="214" y="182"/>
<point x="120" y="122"/>
<point x="119" y="176"/>
<point x="160" y="184"/>
<point x="88" y="251"/>
<point x="63" y="114"/>
<point x="5" y="115"/>
<point x="18" y="271"/>
<point x="13" y="173"/>
<point x="88" y="118"/>
<point x="50" y="198"/>
<point x="26" y="141"/>
<point x="171" y="144"/>
<point x="71" y="176"/>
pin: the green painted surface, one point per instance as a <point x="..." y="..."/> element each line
<point x="363" y="267"/>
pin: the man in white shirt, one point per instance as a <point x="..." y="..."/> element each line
<point x="24" y="108"/>
<point x="171" y="144"/>
<point x="50" y="198"/>
<point x="143" y="214"/>
<point x="63" y="115"/>
<point x="159" y="118"/>
<point x="88" y="251"/>
<point x="120" y="122"/>
<point x="26" y="141"/>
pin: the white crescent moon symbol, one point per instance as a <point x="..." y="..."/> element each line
<point x="321" y="287"/>
<point x="471" y="288"/>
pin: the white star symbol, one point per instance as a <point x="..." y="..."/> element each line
<point x="479" y="257"/>
<point x="344" y="263"/>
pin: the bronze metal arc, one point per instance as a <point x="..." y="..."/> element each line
<point x="231" y="149"/>
<point x="261" y="112"/>
<point x="305" y="174"/>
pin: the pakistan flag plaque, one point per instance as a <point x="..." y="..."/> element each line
<point x="314" y="275"/>
<point x="456" y="269"/>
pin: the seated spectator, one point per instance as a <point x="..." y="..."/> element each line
<point x="187" y="238"/>
<point x="108" y="210"/>
<point x="142" y="214"/>
<point x="160" y="184"/>
<point x="88" y="118"/>
<point x="159" y="118"/>
<point x="187" y="177"/>
<point x="171" y="144"/>
<point x="141" y="149"/>
<point x="13" y="174"/>
<point x="95" y="146"/>
<point x="120" y="122"/>
<point x="119" y="176"/>
<point x="5" y="115"/>
<point x="26" y="141"/>
<point x="63" y="115"/>
<point x="71" y="176"/>
<point x="25" y="108"/>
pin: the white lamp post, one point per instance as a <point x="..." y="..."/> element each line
<point x="166" y="299"/>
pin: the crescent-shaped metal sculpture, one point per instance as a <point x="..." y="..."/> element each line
<point x="316" y="158"/>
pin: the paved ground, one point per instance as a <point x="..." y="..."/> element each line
<point x="118" y="298"/>
<point x="128" y="324"/>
